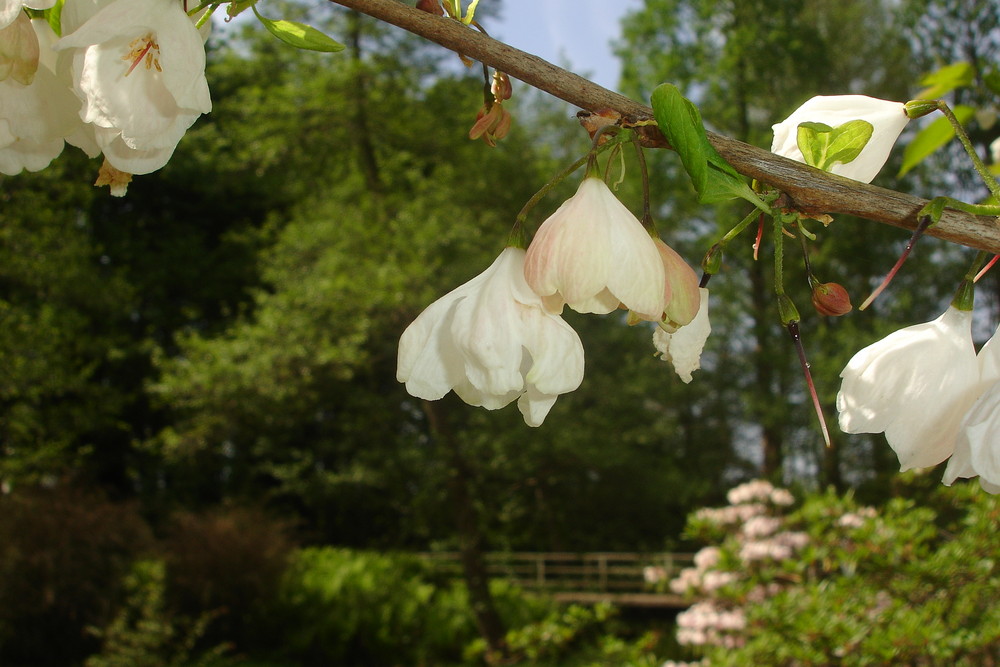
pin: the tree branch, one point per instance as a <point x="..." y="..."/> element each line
<point x="810" y="190"/>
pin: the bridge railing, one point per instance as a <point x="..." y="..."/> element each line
<point x="625" y="578"/>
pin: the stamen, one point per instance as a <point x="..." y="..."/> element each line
<point x="143" y="48"/>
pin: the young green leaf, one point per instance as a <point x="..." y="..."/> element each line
<point x="54" y="17"/>
<point x="946" y="79"/>
<point x="299" y="35"/>
<point x="932" y="137"/>
<point x="714" y="179"/>
<point x="823" y="146"/>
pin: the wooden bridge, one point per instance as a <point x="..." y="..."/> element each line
<point x="624" y="579"/>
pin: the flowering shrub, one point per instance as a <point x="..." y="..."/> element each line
<point x="833" y="582"/>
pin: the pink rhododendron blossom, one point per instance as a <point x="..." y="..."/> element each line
<point x="887" y="119"/>
<point x="593" y="255"/>
<point x="491" y="341"/>
<point x="916" y="385"/>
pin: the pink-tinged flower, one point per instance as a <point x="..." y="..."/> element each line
<point x="593" y="255"/>
<point x="683" y="296"/>
<point x="977" y="449"/>
<point x="916" y="384"/>
<point x="491" y="341"/>
<point x="887" y="119"/>
<point x="683" y="347"/>
<point x="139" y="67"/>
<point x="18" y="51"/>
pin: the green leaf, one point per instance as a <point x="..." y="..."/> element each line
<point x="931" y="138"/>
<point x="992" y="81"/>
<point x="946" y="79"/>
<point x="823" y="146"/>
<point x="299" y="35"/>
<point x="714" y="179"/>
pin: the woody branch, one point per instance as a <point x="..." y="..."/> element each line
<point x="809" y="189"/>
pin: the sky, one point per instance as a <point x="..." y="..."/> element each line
<point x="575" y="34"/>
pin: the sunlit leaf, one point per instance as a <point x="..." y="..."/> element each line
<point x="946" y="79"/>
<point x="932" y="137"/>
<point x="299" y="35"/>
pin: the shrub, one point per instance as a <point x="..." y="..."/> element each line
<point x="363" y="608"/>
<point x="228" y="562"/>
<point x="63" y="555"/>
<point x="904" y="585"/>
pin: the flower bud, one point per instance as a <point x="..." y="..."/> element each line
<point x="712" y="261"/>
<point x="918" y="108"/>
<point x="831" y="299"/>
<point x="501" y="87"/>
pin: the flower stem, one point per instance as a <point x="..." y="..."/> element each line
<point x="984" y="172"/>
<point x="989" y="265"/>
<point x="922" y="225"/>
<point x="793" y="330"/>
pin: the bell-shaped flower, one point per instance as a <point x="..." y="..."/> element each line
<point x="139" y="67"/>
<point x="684" y="296"/>
<point x="683" y="347"/>
<point x="35" y="118"/>
<point x="977" y="449"/>
<point x="492" y="341"/>
<point x="593" y="255"/>
<point x="916" y="384"/>
<point x="886" y="118"/>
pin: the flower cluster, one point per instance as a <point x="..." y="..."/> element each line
<point x="125" y="79"/>
<point x="500" y="337"/>
<point x="932" y="395"/>
<point x="754" y="536"/>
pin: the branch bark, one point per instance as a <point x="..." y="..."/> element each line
<point x="810" y="190"/>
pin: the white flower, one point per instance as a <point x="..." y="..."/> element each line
<point x="491" y="341"/>
<point x="10" y="9"/>
<point x="915" y="385"/>
<point x="594" y="255"/>
<point x="887" y="118"/>
<point x="995" y="150"/>
<point x="35" y="118"/>
<point x="139" y="67"/>
<point x="683" y="347"/>
<point x="977" y="449"/>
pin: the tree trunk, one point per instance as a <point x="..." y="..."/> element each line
<point x="470" y="537"/>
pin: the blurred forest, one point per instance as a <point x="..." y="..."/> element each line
<point x="202" y="373"/>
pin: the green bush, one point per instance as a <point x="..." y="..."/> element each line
<point x="363" y="608"/>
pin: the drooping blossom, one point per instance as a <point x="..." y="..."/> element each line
<point x="139" y="68"/>
<point x="887" y="119"/>
<point x="683" y="347"/>
<point x="492" y="341"/>
<point x="915" y="385"/>
<point x="683" y="294"/>
<point x="37" y="117"/>
<point x="977" y="449"/>
<point x="593" y="255"/>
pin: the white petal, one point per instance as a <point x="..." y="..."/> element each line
<point x="683" y="347"/>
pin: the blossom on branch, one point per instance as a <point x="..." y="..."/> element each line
<point x="492" y="341"/>
<point x="916" y="385"/>
<point x="139" y="68"/>
<point x="593" y="255"/>
<point x="887" y="120"/>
